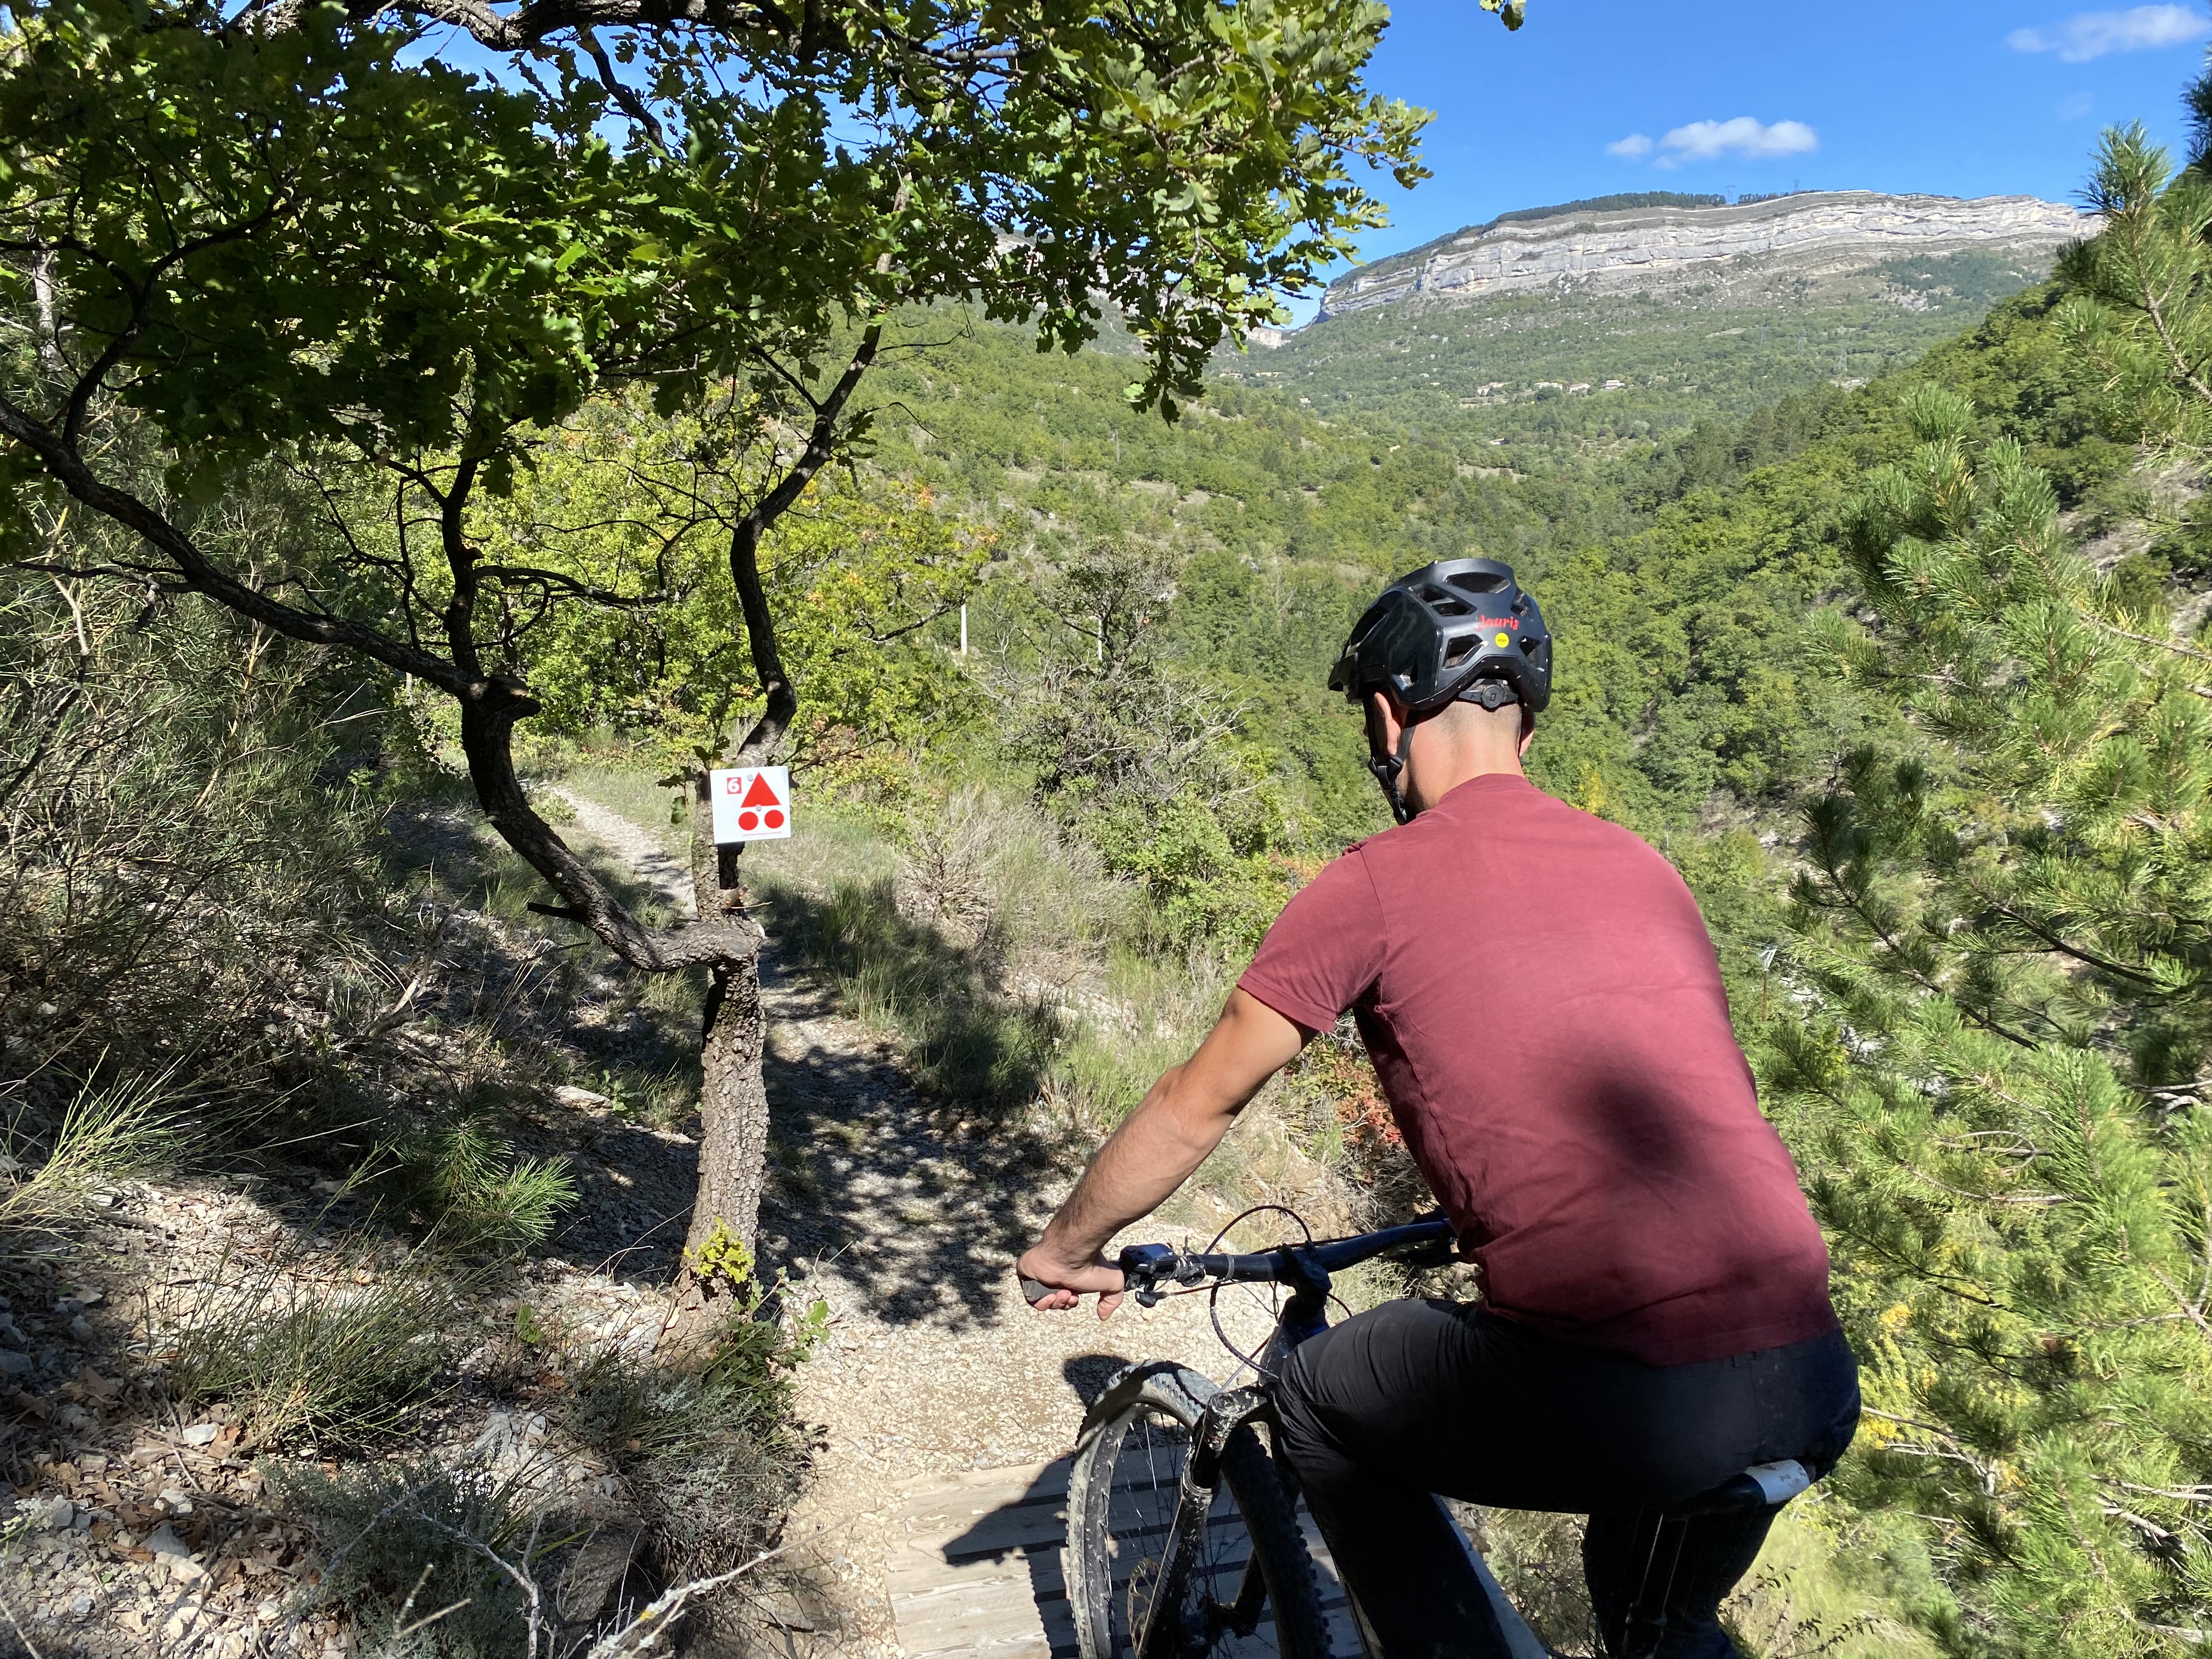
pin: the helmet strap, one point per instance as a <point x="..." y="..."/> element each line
<point x="1386" y="765"/>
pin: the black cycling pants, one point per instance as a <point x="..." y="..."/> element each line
<point x="1415" y="1398"/>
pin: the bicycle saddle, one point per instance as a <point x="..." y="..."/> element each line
<point x="1761" y="1487"/>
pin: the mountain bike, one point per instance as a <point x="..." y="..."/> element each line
<point x="1183" y="1540"/>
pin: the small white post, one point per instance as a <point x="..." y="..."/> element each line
<point x="963" y="631"/>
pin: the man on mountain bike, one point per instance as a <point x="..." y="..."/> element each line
<point x="1544" y="1012"/>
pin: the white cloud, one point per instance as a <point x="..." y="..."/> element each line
<point x="1706" y="141"/>
<point x="1634" y="146"/>
<point x="2073" y="109"/>
<point x="2088" y="34"/>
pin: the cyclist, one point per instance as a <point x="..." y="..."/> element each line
<point x="1544" y="1012"/>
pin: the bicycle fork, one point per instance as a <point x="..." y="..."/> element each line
<point x="1224" y="1414"/>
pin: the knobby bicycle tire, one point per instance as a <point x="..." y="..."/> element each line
<point x="1121" y="1499"/>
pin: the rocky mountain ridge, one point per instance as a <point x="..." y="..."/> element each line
<point x="1813" y="234"/>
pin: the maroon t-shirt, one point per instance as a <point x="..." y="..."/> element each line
<point x="1546" y="1014"/>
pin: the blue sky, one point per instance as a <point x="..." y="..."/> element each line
<point x="1954" y="97"/>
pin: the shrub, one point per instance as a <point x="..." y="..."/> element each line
<point x="104" y="1136"/>
<point x="460" y="1180"/>
<point x="181" y="877"/>
<point x="1147" y="762"/>
<point x="1389" y="1184"/>
<point x="412" y="1542"/>
<point x="704" y="1439"/>
<point x="334" y="1349"/>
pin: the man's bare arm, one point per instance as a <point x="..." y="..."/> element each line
<point x="1180" y="1121"/>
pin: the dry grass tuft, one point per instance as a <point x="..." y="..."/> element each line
<point x="344" y="1349"/>
<point x="106" y="1134"/>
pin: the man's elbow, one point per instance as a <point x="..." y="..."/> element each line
<point x="1198" y="1116"/>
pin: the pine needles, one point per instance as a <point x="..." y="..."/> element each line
<point x="2000" y="980"/>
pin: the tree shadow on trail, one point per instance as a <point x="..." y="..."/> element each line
<point x="921" y="1177"/>
<point x="979" y="1052"/>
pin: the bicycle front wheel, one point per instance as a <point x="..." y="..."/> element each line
<point x="1250" y="1593"/>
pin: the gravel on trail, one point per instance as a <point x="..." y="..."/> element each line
<point x="934" y="1366"/>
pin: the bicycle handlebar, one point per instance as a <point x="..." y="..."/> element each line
<point x="1146" y="1267"/>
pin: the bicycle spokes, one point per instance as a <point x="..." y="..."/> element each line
<point x="1215" y="1605"/>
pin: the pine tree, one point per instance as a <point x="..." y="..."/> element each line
<point x="1994" y="1060"/>
<point x="2140" y="313"/>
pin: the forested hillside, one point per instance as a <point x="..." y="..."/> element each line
<point x="1678" y="570"/>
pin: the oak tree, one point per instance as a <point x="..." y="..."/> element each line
<point x="301" y="237"/>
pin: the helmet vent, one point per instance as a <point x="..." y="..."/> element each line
<point x="1459" y="651"/>
<point x="1449" y="605"/>
<point x="1477" y="581"/>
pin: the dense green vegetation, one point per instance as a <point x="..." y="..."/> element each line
<point x="1991" y="1061"/>
<point x="1675" y="571"/>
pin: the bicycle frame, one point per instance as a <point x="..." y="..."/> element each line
<point x="1304" y="1270"/>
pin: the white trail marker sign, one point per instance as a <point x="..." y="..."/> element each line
<point x="751" y="803"/>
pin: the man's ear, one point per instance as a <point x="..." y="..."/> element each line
<point x="1385" y="718"/>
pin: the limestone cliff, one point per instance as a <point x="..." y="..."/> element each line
<point x="1813" y="234"/>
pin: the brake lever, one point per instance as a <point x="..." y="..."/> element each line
<point x="1145" y="1266"/>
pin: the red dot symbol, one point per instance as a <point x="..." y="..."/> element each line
<point x="774" y="820"/>
<point x="748" y="820"/>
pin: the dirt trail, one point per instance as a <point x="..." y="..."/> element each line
<point x="908" y="1229"/>
<point x="643" y="850"/>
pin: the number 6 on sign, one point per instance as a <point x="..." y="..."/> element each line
<point x="751" y="804"/>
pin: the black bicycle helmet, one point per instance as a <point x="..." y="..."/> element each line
<point x="1432" y="635"/>
<point x="1459" y="629"/>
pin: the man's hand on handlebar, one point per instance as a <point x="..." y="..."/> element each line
<point x="1051" y="1285"/>
<point x="1157" y="1146"/>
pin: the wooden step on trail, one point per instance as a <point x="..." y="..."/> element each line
<point x="973" y="1567"/>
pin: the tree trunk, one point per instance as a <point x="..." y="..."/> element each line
<point x="732" y="1093"/>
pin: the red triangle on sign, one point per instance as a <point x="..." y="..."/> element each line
<point x="761" y="794"/>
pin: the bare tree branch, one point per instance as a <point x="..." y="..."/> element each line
<point x="490" y="704"/>
<point x="745" y="555"/>
<point x="523" y="574"/>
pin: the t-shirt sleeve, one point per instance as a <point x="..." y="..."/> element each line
<point x="1324" y="950"/>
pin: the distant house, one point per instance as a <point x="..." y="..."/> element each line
<point x="1579" y="385"/>
<point x="1614" y="385"/>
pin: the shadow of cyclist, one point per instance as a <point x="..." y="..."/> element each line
<point x="998" y="1579"/>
